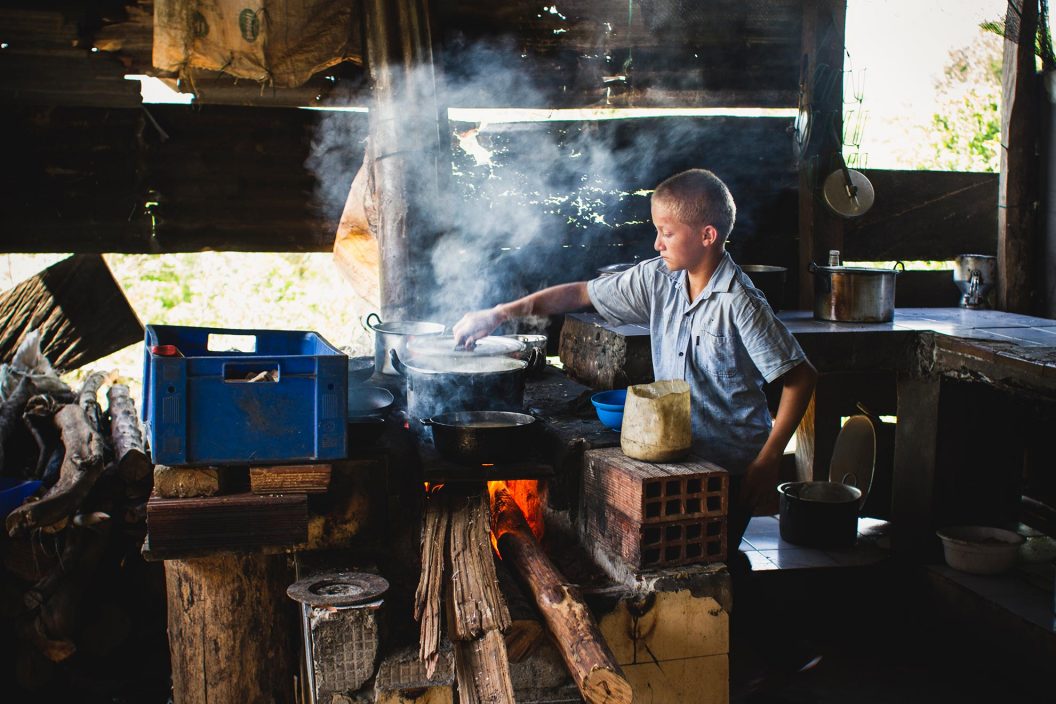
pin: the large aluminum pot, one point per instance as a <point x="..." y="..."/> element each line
<point x="469" y="383"/>
<point x="394" y="335"/>
<point x="849" y="294"/>
<point x="819" y="514"/>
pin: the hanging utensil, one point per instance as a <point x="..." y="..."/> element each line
<point x="847" y="192"/>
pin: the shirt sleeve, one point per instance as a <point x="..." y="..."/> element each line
<point x="624" y="298"/>
<point x="770" y="345"/>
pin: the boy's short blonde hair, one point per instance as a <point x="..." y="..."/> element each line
<point x="698" y="197"/>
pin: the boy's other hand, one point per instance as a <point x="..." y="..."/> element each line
<point x="475" y="325"/>
<point x="760" y="479"/>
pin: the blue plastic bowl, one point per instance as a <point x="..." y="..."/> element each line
<point x="609" y="407"/>
<point x="13" y="492"/>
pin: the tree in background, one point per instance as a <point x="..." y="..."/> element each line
<point x="965" y="135"/>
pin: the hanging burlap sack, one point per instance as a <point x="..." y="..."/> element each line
<point x="656" y="422"/>
<point x="276" y="42"/>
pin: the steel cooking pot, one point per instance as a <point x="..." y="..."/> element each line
<point x="850" y="294"/>
<point x="819" y="514"/>
<point x="464" y="383"/>
<point x="482" y="437"/>
<point x="394" y="335"/>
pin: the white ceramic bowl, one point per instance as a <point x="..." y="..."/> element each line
<point x="980" y="549"/>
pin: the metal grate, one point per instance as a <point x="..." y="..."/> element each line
<point x="683" y="542"/>
<point x="677" y="498"/>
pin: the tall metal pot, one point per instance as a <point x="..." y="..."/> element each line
<point x="394" y="335"/>
<point x="849" y="294"/>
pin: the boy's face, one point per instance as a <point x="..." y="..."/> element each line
<point x="681" y="246"/>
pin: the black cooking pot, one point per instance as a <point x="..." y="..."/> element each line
<point x="819" y="514"/>
<point x="468" y="384"/>
<point x="482" y="437"/>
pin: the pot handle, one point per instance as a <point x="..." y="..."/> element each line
<point x="899" y="266"/>
<point x="812" y="267"/>
<point x="399" y="366"/>
<point x="536" y="359"/>
<point x="850" y="479"/>
<point x="426" y="421"/>
<point x="368" y="324"/>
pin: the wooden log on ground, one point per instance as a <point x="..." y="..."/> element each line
<point x="526" y="630"/>
<point x="570" y="622"/>
<point x="130" y="450"/>
<point x="77" y="306"/>
<point x="39" y="417"/>
<point x="231" y="629"/>
<point x="427" y="605"/>
<point x="81" y="466"/>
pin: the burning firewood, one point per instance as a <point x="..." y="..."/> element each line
<point x="576" y="635"/>
<point x="81" y="466"/>
<point x="427" y="597"/>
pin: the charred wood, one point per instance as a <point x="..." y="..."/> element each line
<point x="129" y="448"/>
<point x="10" y="412"/>
<point x="39" y="419"/>
<point x="575" y="633"/>
<point x="81" y="466"/>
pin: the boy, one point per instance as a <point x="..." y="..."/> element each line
<point x="709" y="326"/>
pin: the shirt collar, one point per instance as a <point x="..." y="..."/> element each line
<point x="721" y="279"/>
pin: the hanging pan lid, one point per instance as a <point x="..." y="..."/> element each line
<point x="854" y="455"/>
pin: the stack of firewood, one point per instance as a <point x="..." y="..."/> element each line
<point x="457" y="538"/>
<point x="85" y="522"/>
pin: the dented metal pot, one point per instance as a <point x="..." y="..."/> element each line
<point x="850" y="294"/>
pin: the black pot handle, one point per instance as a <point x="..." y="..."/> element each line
<point x="812" y="267"/>
<point x="368" y="325"/>
<point x="399" y="366"/>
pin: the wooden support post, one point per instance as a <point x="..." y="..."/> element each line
<point x="232" y="629"/>
<point x="1017" y="219"/>
<point x="408" y="154"/>
<point x="819" y="133"/>
<point x="588" y="658"/>
<point x="913" y="484"/>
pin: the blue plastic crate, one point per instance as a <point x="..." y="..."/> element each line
<point x="199" y="408"/>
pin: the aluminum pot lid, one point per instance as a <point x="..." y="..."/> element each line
<point x="443" y="347"/>
<point x="465" y="365"/>
<point x="338" y="588"/>
<point x="854" y="455"/>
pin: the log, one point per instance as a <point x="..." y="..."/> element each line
<point x="526" y="631"/>
<point x="482" y="670"/>
<point x="77" y="306"/>
<point x="81" y="466"/>
<point x="427" y="597"/>
<point x="478" y="603"/>
<point x="10" y="410"/>
<point x="38" y="417"/>
<point x="88" y="399"/>
<point x="575" y="633"/>
<point x="231" y="629"/>
<point x="130" y="450"/>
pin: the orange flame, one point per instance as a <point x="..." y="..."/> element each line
<point x="526" y="494"/>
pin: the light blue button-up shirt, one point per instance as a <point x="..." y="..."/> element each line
<point x="727" y="343"/>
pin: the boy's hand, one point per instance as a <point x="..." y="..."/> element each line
<point x="476" y="325"/>
<point x="760" y="480"/>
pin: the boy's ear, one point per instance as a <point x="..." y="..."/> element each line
<point x="709" y="235"/>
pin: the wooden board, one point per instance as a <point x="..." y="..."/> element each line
<point x="221" y="523"/>
<point x="290" y="479"/>
<point x="79" y="308"/>
<point x="602" y="356"/>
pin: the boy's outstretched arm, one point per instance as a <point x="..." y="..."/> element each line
<point x="564" y="298"/>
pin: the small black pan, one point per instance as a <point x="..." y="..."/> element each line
<point x="368" y="401"/>
<point x="482" y="437"/>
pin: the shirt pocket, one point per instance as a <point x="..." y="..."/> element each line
<point x="714" y="352"/>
